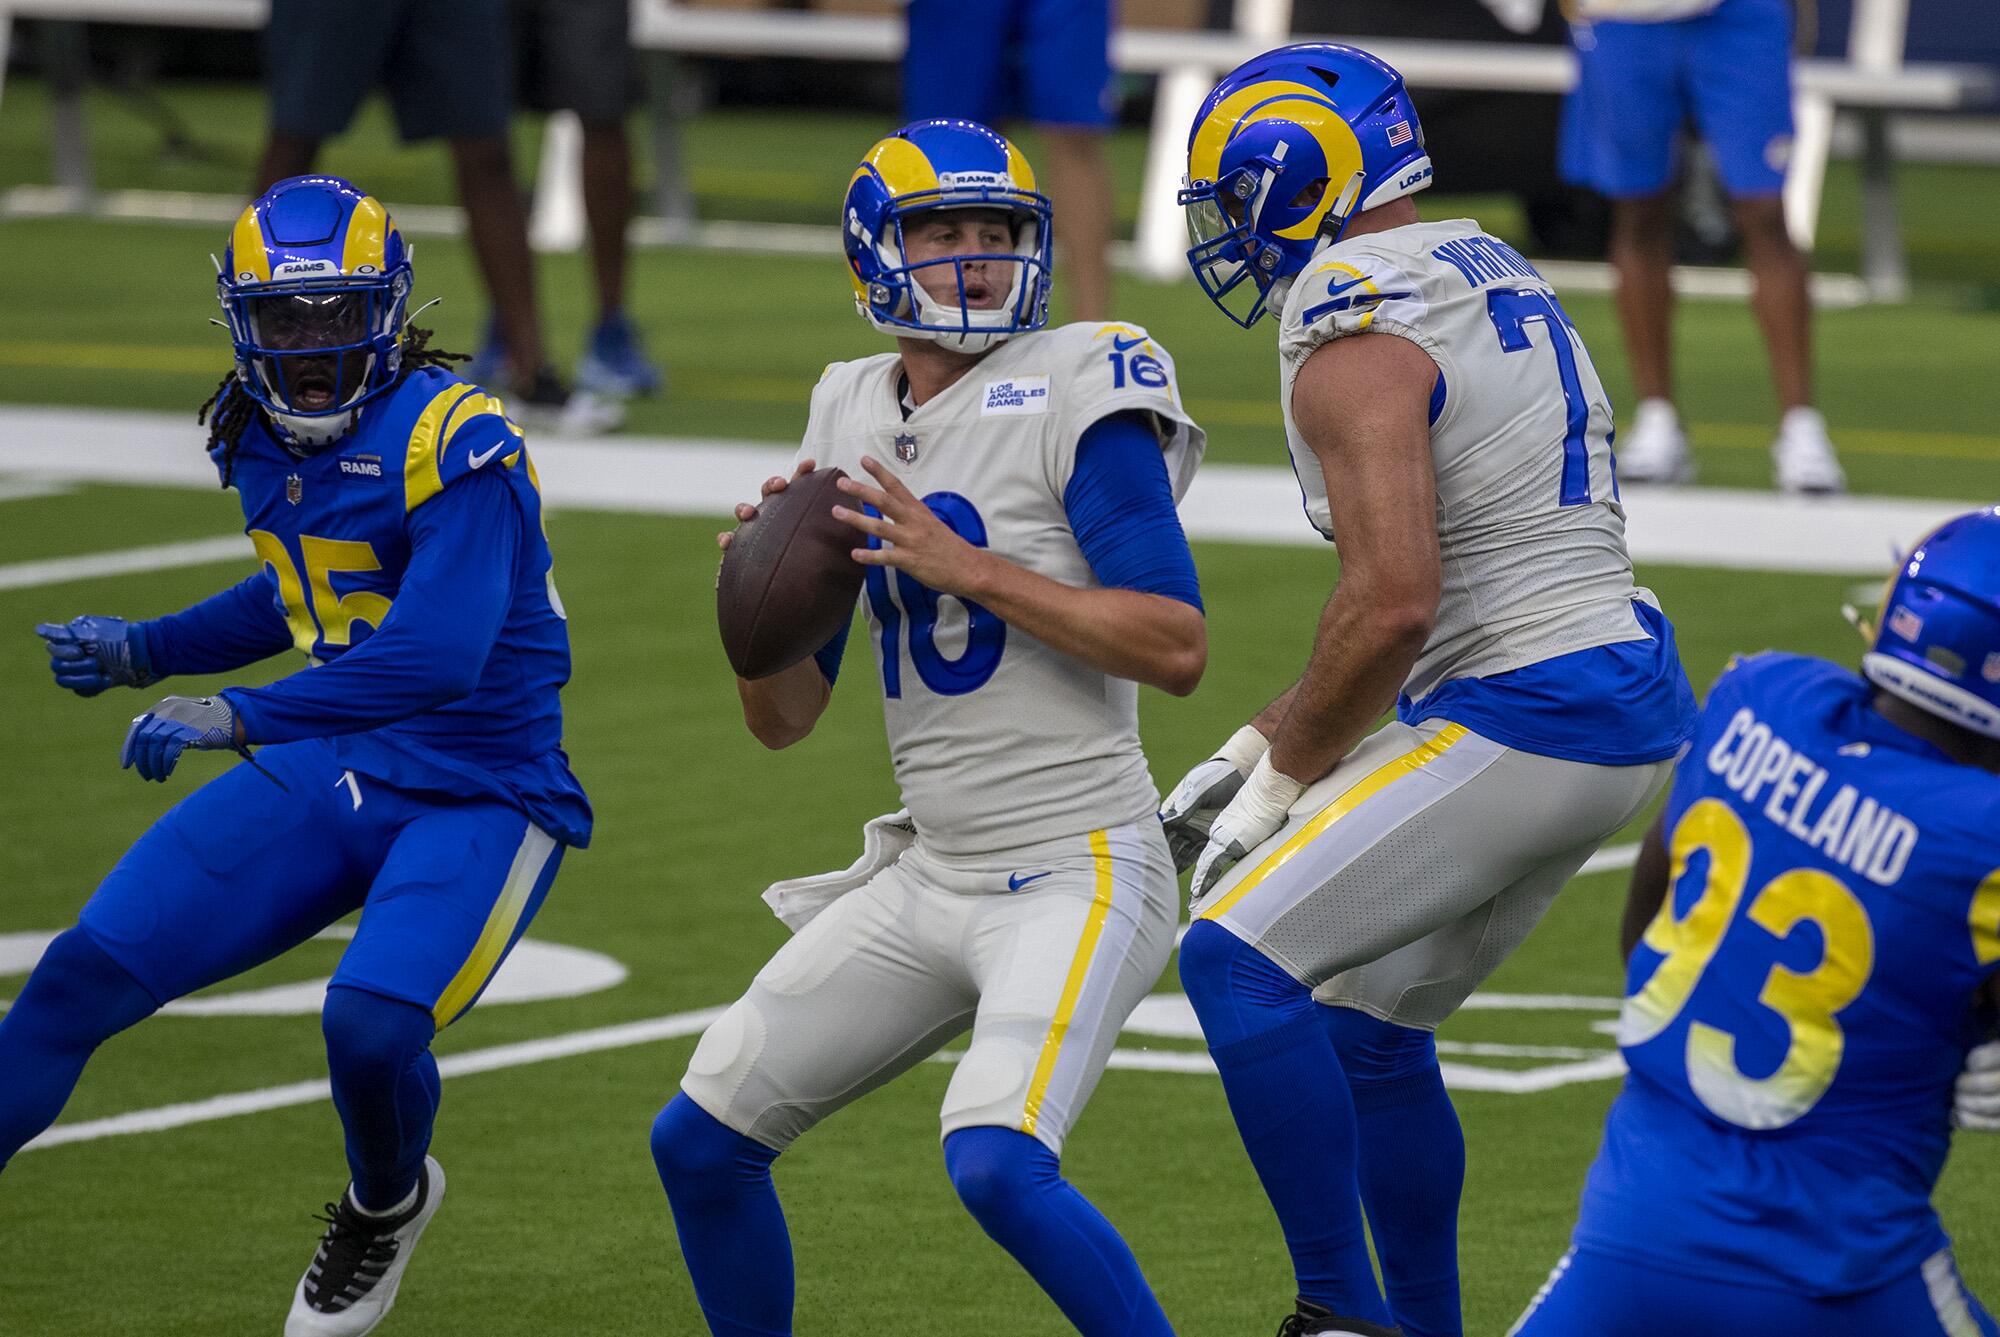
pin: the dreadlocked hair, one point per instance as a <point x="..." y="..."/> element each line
<point x="227" y="414"/>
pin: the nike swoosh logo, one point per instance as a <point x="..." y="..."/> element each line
<point x="1016" y="882"/>
<point x="1122" y="345"/>
<point x="1335" y="290"/>
<point x="477" y="460"/>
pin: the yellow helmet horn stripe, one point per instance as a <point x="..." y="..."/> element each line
<point x="1018" y="169"/>
<point x="246" y="247"/>
<point x="1280" y="99"/>
<point x="903" y="167"/>
<point x="367" y="237"/>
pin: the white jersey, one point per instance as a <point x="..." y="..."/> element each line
<point x="999" y="741"/>
<point x="1530" y="531"/>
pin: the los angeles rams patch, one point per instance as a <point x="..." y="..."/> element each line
<point x="1018" y="396"/>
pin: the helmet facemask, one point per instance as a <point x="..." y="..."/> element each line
<point x="990" y="294"/>
<point x="311" y="352"/>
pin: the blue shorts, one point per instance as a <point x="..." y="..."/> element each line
<point x="1046" y="61"/>
<point x="1596" y="1295"/>
<point x="1638" y="84"/>
<point x="241" y="871"/>
<point x="445" y="64"/>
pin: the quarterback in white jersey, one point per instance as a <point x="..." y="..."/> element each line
<point x="1352" y="888"/>
<point x="1013" y="495"/>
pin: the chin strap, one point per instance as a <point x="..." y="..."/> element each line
<point x="307" y="436"/>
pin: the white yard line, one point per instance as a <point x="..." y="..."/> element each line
<point x="126" y="561"/>
<point x="31" y="489"/>
<point x="673" y="1026"/>
<point x="1709" y="527"/>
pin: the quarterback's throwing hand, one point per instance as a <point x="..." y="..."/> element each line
<point x="156" y="739"/>
<point x="89" y="654"/>
<point x="1976" y="1099"/>
<point x="1258" y="812"/>
<point x="912" y="538"/>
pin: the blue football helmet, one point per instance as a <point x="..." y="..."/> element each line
<point x="929" y="166"/>
<point x="315" y="284"/>
<point x="1288" y="148"/>
<point x="1937" y="638"/>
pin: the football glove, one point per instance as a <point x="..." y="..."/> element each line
<point x="1259" y="811"/>
<point x="1205" y="791"/>
<point x="89" y="654"/>
<point x="1976" y="1098"/>
<point x="156" y="739"/>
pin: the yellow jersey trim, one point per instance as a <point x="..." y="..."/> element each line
<point x="421" y="479"/>
<point x="1368" y="787"/>
<point x="499" y="928"/>
<point x="1079" y="970"/>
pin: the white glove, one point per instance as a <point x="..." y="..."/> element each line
<point x="1258" y="812"/>
<point x="1976" y="1098"/>
<point x="1205" y="791"/>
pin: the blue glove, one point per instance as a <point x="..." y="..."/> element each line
<point x="89" y="654"/>
<point x="155" y="741"/>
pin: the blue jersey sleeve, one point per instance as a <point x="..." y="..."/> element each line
<point x="431" y="648"/>
<point x="239" y="626"/>
<point x="1121" y="509"/>
<point x="828" y="656"/>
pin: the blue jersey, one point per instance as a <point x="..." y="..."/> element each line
<point x="408" y="562"/>
<point x="1800" y="1006"/>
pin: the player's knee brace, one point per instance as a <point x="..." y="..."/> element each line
<point x="699" y="1157"/>
<point x="1374" y="1052"/>
<point x="371" y="1040"/>
<point x="1237" y="991"/>
<point x="998" y="1172"/>
<point x="78" y="997"/>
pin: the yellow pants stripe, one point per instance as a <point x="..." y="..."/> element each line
<point x="1370" y="785"/>
<point x="1079" y="970"/>
<point x="484" y="959"/>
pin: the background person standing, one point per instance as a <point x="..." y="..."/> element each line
<point x="1645" y="69"/>
<point x="1047" y="62"/>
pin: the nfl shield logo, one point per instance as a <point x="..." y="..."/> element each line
<point x="295" y="488"/>
<point x="906" y="447"/>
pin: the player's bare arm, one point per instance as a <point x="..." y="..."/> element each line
<point x="1648" y="889"/>
<point x="1363" y="405"/>
<point x="782" y="709"/>
<point x="1148" y="638"/>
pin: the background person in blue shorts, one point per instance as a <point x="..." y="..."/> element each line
<point x="1047" y="62"/>
<point x="1646" y="69"/>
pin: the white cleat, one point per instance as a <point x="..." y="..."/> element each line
<point x="1804" y="456"/>
<point x="359" y="1263"/>
<point x="1655" y="450"/>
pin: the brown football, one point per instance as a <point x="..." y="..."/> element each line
<point x="788" y="582"/>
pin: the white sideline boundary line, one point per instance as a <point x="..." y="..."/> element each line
<point x="1704" y="527"/>
<point x="126" y="561"/>
<point x="674" y="1026"/>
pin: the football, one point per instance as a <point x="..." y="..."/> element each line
<point x="788" y="582"/>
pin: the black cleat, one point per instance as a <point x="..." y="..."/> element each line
<point x="1312" y="1320"/>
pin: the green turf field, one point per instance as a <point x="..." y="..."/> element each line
<point x="555" y="1221"/>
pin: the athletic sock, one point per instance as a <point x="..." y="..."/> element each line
<point x="385" y="1089"/>
<point x="76" y="999"/>
<point x="1293" y="1110"/>
<point x="1014" y="1188"/>
<point x="731" y="1228"/>
<point x="1412" y="1167"/>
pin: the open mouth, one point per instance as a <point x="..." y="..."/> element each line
<point x="982" y="295"/>
<point x="313" y="388"/>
